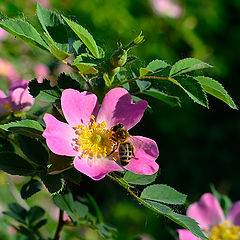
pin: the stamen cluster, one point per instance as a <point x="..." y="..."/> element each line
<point x="224" y="231"/>
<point x="94" y="140"/>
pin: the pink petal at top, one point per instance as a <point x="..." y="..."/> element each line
<point x="95" y="168"/>
<point x="146" y="152"/>
<point x="17" y="84"/>
<point x="186" y="235"/>
<point x="118" y="107"/>
<point x="234" y="214"/>
<point x="59" y="136"/>
<point x="14" y="99"/>
<point x="78" y="107"/>
<point x="207" y="212"/>
<point x="26" y="100"/>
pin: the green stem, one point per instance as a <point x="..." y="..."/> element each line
<point x="143" y="77"/>
<point x="81" y="74"/>
<point x="126" y="187"/>
<point x="129" y="190"/>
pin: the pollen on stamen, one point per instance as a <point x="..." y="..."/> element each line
<point x="94" y="140"/>
<point x="224" y="231"/>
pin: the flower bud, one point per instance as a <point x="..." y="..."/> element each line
<point x="119" y="58"/>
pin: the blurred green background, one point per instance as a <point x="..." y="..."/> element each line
<point x="197" y="146"/>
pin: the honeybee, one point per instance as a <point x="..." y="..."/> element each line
<point x="125" y="148"/>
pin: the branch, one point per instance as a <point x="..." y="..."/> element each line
<point x="82" y="75"/>
<point x="60" y="226"/>
<point x="143" y="77"/>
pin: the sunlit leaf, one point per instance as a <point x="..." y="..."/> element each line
<point x="171" y="100"/>
<point x="84" y="35"/>
<point x="187" y="65"/>
<point x="216" y="89"/>
<point x="25" y="31"/>
<point x="192" y="88"/>
<point x="137" y="179"/>
<point x="163" y="193"/>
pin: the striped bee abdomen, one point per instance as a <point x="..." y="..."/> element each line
<point x="125" y="151"/>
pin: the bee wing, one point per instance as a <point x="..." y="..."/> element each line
<point x="136" y="142"/>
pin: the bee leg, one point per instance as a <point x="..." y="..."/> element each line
<point x="134" y="149"/>
<point x="114" y="149"/>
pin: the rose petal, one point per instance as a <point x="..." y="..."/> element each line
<point x="95" y="168"/>
<point x="26" y="100"/>
<point x="3" y="101"/>
<point x="59" y="136"/>
<point x="2" y="94"/>
<point x="14" y="99"/>
<point x="207" y="212"/>
<point x="146" y="152"/>
<point x="17" y="84"/>
<point x="234" y="214"/>
<point x="78" y="107"/>
<point x="118" y="107"/>
<point x="186" y="235"/>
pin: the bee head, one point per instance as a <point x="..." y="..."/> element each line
<point x="117" y="126"/>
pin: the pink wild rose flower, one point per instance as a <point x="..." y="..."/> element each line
<point x="18" y="99"/>
<point x="87" y="135"/>
<point x="166" y="8"/>
<point x="41" y="71"/>
<point x="3" y="34"/>
<point x="8" y="71"/>
<point x="209" y="214"/>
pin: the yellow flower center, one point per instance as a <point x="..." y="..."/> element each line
<point x="94" y="140"/>
<point x="224" y="231"/>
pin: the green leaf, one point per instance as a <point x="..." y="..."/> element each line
<point x="72" y="175"/>
<point x="15" y="165"/>
<point x="58" y="164"/>
<point x="66" y="81"/>
<point x="163" y="193"/>
<point x="137" y="179"/>
<point x="66" y="203"/>
<point x="182" y="220"/>
<point x="193" y="89"/>
<point x="216" y="89"/>
<point x="106" y="232"/>
<point x="40" y="224"/>
<point x="54" y="183"/>
<point x="58" y="53"/>
<point x="17" y="212"/>
<point x="34" y="214"/>
<point x="34" y="150"/>
<point x="6" y="146"/>
<point x="143" y="85"/>
<point x="152" y="67"/>
<point x="188" y="223"/>
<point x="187" y="65"/>
<point x="85" y="68"/>
<point x="44" y="91"/>
<point x="157" y="207"/>
<point x="171" y="100"/>
<point x="84" y="35"/>
<point x="54" y="26"/>
<point x="25" y="32"/>
<point x="30" y="188"/>
<point x="136" y="99"/>
<point x="24" y="127"/>
<point x="81" y="209"/>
